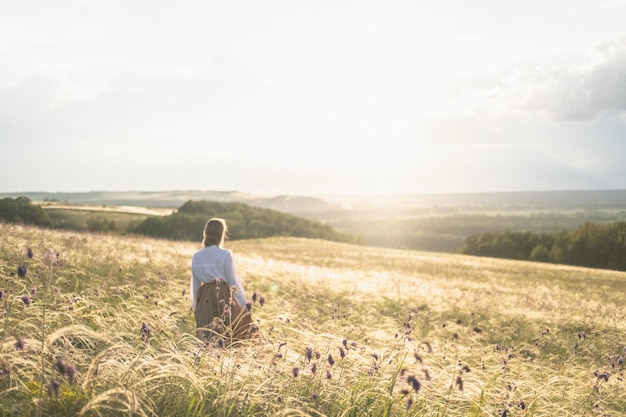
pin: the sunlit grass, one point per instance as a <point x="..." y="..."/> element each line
<point x="345" y="331"/>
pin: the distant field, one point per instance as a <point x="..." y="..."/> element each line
<point x="101" y="326"/>
<point x="77" y="219"/>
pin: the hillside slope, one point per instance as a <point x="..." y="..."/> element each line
<point x="344" y="327"/>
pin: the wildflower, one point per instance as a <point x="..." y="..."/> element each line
<point x="477" y="330"/>
<point x="317" y="354"/>
<point x="33" y="292"/>
<point x="522" y="405"/>
<point x="314" y="368"/>
<point x="26" y="300"/>
<point x="53" y="387"/>
<point x="375" y="356"/>
<point x="414" y="382"/>
<point x="466" y="368"/>
<point x="342" y="353"/>
<point x="314" y="396"/>
<point x="60" y="366"/>
<point x="220" y="343"/>
<point x="426" y="375"/>
<point x="20" y="344"/>
<point x="21" y="271"/>
<point x="248" y="306"/>
<point x="30" y="253"/>
<point x="261" y="301"/>
<point x="328" y="375"/>
<point x="254" y="295"/>
<point x="145" y="332"/>
<point x="459" y="383"/>
<point x="49" y="255"/>
<point x="308" y="352"/>
<point x="296" y="372"/>
<point x="409" y="403"/>
<point x="405" y="392"/>
<point x="345" y="343"/>
<point x="70" y="372"/>
<point x="331" y="361"/>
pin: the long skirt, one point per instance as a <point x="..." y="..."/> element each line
<point x="219" y="317"/>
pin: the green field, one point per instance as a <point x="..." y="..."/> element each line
<point x="77" y="219"/>
<point x="108" y="331"/>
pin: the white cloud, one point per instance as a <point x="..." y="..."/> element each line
<point x="584" y="88"/>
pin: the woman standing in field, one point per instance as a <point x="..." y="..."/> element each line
<point x="216" y="293"/>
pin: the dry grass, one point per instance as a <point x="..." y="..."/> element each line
<point x="346" y="331"/>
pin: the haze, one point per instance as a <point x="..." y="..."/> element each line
<point x="312" y="97"/>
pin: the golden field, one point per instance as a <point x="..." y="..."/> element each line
<point x="100" y="325"/>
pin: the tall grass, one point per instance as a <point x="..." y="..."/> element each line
<point x="345" y="331"/>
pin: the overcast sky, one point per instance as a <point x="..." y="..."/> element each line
<point x="312" y="97"/>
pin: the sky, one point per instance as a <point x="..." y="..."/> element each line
<point x="312" y="97"/>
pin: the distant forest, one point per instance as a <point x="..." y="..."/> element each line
<point x="244" y="222"/>
<point x="591" y="245"/>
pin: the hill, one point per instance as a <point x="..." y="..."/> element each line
<point x="100" y="325"/>
<point x="244" y="222"/>
<point x="430" y="222"/>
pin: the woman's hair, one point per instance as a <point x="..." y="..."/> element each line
<point x="215" y="232"/>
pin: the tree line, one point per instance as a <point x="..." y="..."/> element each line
<point x="21" y="210"/>
<point x="591" y="245"/>
<point x="244" y="222"/>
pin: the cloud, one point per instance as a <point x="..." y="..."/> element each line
<point x="584" y="88"/>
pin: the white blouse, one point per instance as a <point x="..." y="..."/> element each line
<point x="213" y="262"/>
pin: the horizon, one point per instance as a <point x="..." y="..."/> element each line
<point x="313" y="97"/>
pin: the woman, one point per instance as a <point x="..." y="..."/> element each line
<point x="216" y="292"/>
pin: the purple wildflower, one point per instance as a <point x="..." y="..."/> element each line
<point x="21" y="271"/>
<point x="261" y="301"/>
<point x="331" y="361"/>
<point x="254" y="295"/>
<point x="145" y="332"/>
<point x="314" y="368"/>
<point x="414" y="382"/>
<point x="296" y="372"/>
<point x="328" y="375"/>
<point x="70" y="373"/>
<point x="26" y="300"/>
<point x="33" y="292"/>
<point x="308" y="352"/>
<point x="409" y="403"/>
<point x="20" y="344"/>
<point x="314" y="396"/>
<point x="60" y="366"/>
<point x="342" y="353"/>
<point x="53" y="387"/>
<point x="345" y="343"/>
<point x="30" y="253"/>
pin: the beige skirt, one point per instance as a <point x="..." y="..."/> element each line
<point x="219" y="317"/>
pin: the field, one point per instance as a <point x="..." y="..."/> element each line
<point x="96" y="324"/>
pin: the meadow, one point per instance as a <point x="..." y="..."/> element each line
<point x="100" y="325"/>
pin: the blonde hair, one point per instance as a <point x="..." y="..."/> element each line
<point x="215" y="232"/>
